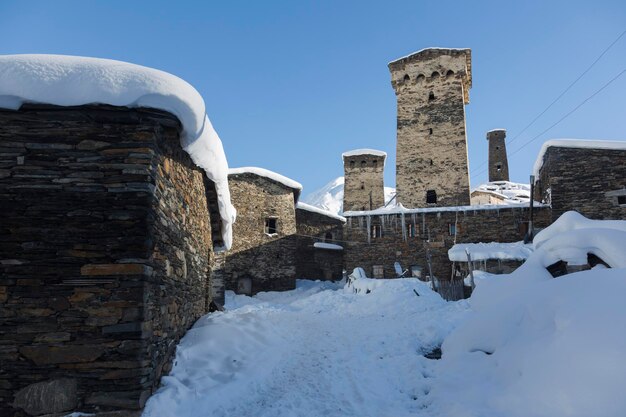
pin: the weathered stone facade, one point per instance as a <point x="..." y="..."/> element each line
<point x="432" y="88"/>
<point x="381" y="240"/>
<point x="498" y="161"/>
<point x="105" y="248"/>
<point x="590" y="181"/>
<point x="260" y="259"/>
<point x="318" y="263"/>
<point x="363" y="181"/>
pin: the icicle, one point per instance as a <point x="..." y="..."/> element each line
<point x="369" y="229"/>
<point x="382" y="220"/>
<point x="403" y="226"/>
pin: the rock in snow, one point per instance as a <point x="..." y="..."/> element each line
<point x="73" y="81"/>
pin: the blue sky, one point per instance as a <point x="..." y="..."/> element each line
<point x="291" y="85"/>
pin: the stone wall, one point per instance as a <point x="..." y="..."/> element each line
<point x="432" y="89"/>
<point x="266" y="261"/>
<point x="432" y="231"/>
<point x="363" y="182"/>
<point x="315" y="263"/>
<point x="589" y="181"/>
<point x="104" y="252"/>
<point x="498" y="161"/>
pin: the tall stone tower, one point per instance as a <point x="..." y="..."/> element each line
<point x="363" y="179"/>
<point x="498" y="162"/>
<point x="432" y="88"/>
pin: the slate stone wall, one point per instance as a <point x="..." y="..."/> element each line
<point x="589" y="181"/>
<point x="104" y="251"/>
<point x="498" y="161"/>
<point x="432" y="88"/>
<point x="267" y="261"/>
<point x="316" y="263"/>
<point x="432" y="232"/>
<point x="363" y="182"/>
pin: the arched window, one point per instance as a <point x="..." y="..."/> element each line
<point x="449" y="74"/>
<point x="406" y="77"/>
<point x="351" y="164"/>
<point x="431" y="96"/>
<point x="328" y="236"/>
<point x="420" y="78"/>
<point x="430" y="131"/>
<point x="434" y="74"/>
<point x="363" y="163"/>
<point x="375" y="163"/>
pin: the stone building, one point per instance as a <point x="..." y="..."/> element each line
<point x="432" y="87"/>
<point x="498" y="162"/>
<point x="263" y="254"/>
<point x="106" y="242"/>
<point x="583" y="175"/>
<point x="364" y="183"/>
<point x="319" y="250"/>
<point x="376" y="239"/>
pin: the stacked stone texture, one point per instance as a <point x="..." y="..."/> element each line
<point x="268" y="260"/>
<point x="432" y="88"/>
<point x="580" y="178"/>
<point x="105" y="245"/>
<point x="432" y="233"/>
<point x="498" y="161"/>
<point x="363" y="182"/>
<point x="318" y="263"/>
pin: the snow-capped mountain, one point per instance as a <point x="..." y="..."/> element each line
<point x="330" y="196"/>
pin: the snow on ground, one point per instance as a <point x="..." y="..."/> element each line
<point x="319" y="350"/>
<point x="330" y="196"/>
<point x="539" y="346"/>
<point x="73" y="81"/>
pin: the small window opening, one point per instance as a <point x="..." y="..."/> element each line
<point x="406" y="77"/>
<point x="621" y="200"/>
<point x="378" y="271"/>
<point x="452" y="229"/>
<point x="497" y="147"/>
<point x="328" y="236"/>
<point x="434" y="74"/>
<point x="375" y="163"/>
<point x="430" y="131"/>
<point x="363" y="163"/>
<point x="431" y="96"/>
<point x="271" y="225"/>
<point x="431" y="162"/>
<point x="431" y="197"/>
<point x="362" y="186"/>
<point x="450" y="73"/>
<point x="420" y="78"/>
<point x="377" y="231"/>
<point x="351" y="164"/>
<point x="499" y="167"/>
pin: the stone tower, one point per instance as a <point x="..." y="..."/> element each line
<point x="498" y="163"/>
<point x="432" y="88"/>
<point x="363" y="175"/>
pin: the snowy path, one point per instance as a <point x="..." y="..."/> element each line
<point x="319" y="350"/>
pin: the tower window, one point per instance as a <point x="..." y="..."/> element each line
<point x="450" y="73"/>
<point x="431" y="162"/>
<point x="406" y="77"/>
<point x="499" y="167"/>
<point x="497" y="147"/>
<point x="420" y="78"/>
<point x="377" y="231"/>
<point x="430" y="131"/>
<point x="621" y="200"/>
<point x="431" y="96"/>
<point x="434" y="74"/>
<point x="362" y="186"/>
<point x="351" y="164"/>
<point x="375" y="163"/>
<point x="363" y="163"/>
<point x="271" y="225"/>
<point x="431" y="197"/>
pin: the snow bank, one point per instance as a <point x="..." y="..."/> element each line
<point x="313" y="209"/>
<point x="288" y="182"/>
<point x="324" y="245"/>
<point x="492" y="250"/>
<point x="74" y="81"/>
<point x="574" y="143"/>
<point x="541" y="346"/>
<point x="364" y="151"/>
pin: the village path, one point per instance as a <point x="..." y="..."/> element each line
<point x="319" y="350"/>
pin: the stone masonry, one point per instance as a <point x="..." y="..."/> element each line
<point x="498" y="162"/>
<point x="260" y="259"/>
<point x="318" y="263"/>
<point x="590" y="181"/>
<point x="432" y="88"/>
<point x="363" y="185"/>
<point x="432" y="229"/>
<point x="105" y="248"/>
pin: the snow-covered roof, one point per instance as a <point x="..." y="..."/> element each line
<point x="575" y="143"/>
<point x="492" y="250"/>
<point x="511" y="193"/>
<point x="262" y="172"/>
<point x="324" y="245"/>
<point x="313" y="209"/>
<point x="496" y="130"/>
<point x="73" y="81"/>
<point x="364" y="151"/>
<point x="400" y="209"/>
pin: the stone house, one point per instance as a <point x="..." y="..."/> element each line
<point x="319" y="252"/>
<point x="109" y="229"/>
<point x="588" y="176"/>
<point x="107" y="238"/>
<point x="263" y="254"/>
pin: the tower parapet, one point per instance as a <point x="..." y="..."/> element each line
<point x="498" y="161"/>
<point x="363" y="179"/>
<point x="432" y="88"/>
